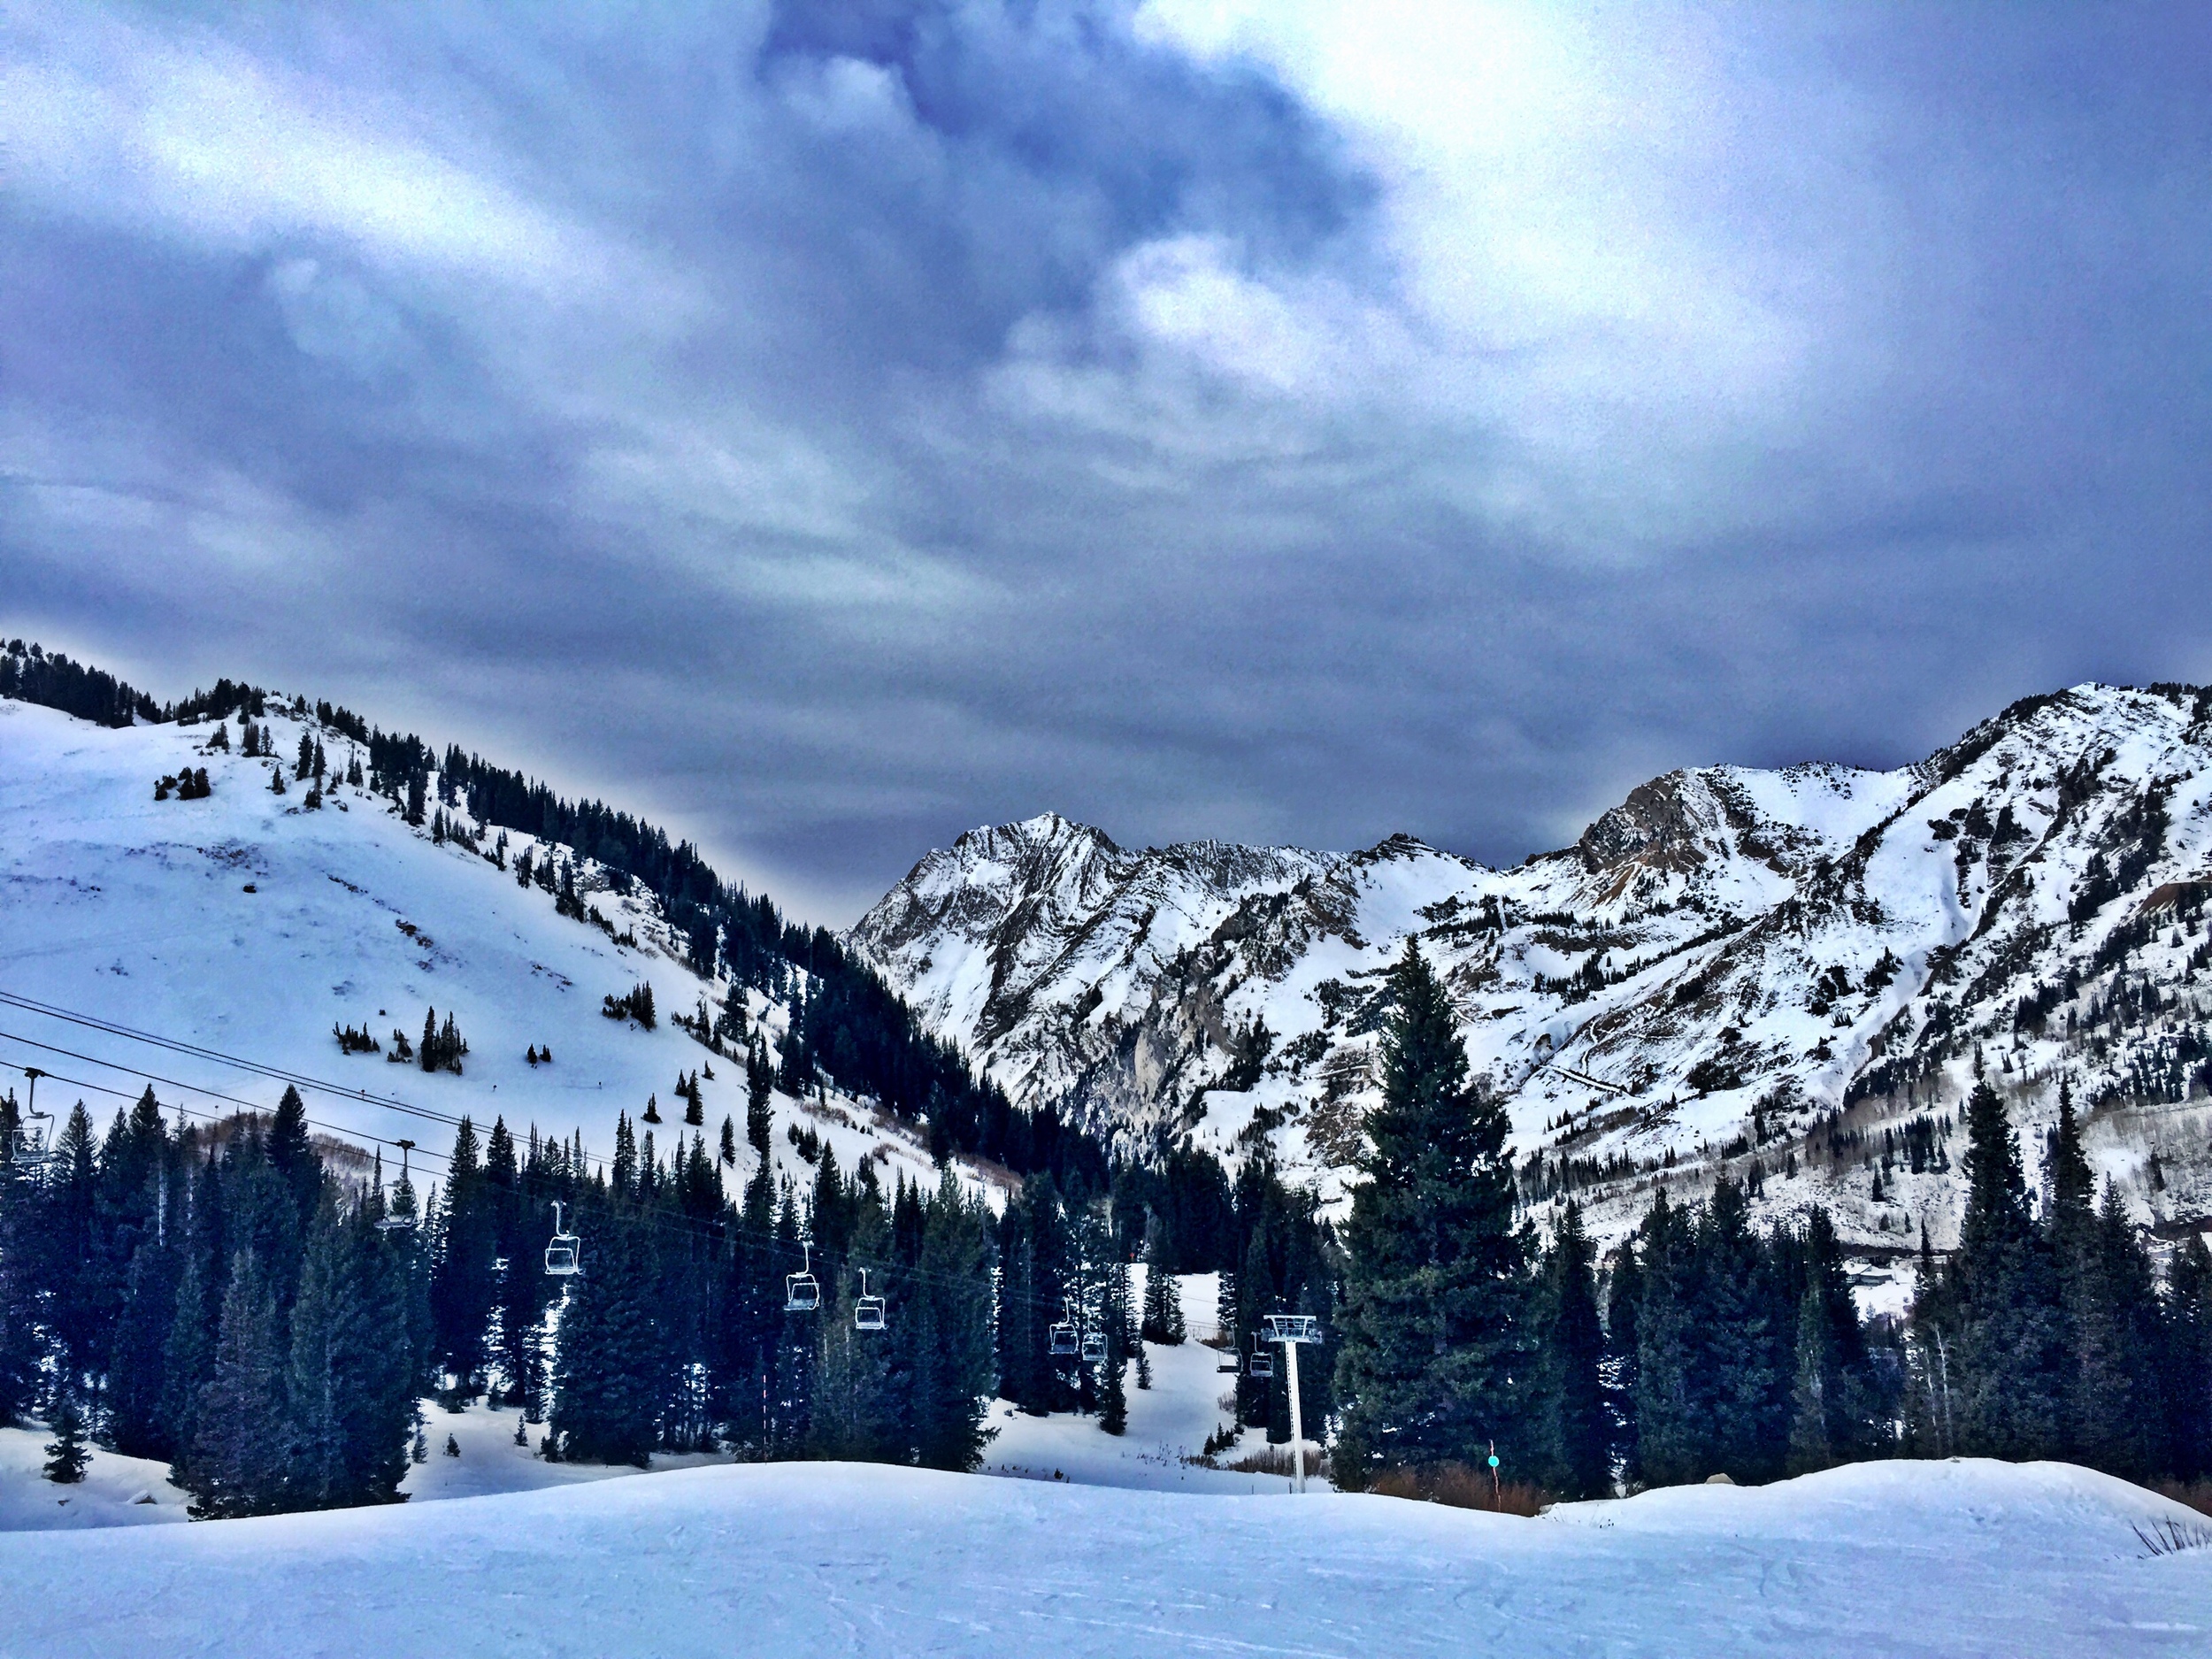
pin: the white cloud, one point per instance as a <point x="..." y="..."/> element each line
<point x="1552" y="276"/>
<point x="104" y="121"/>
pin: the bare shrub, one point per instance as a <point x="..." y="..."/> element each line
<point x="1276" y="1460"/>
<point x="2196" y="1493"/>
<point x="2170" y="1537"/>
<point x="1463" y="1486"/>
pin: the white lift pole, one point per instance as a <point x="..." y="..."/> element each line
<point x="1293" y="1331"/>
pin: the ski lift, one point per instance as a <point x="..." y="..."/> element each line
<point x="33" y="1138"/>
<point x="1262" y="1362"/>
<point x="1291" y="1327"/>
<point x="1063" y="1345"/>
<point x="400" y="1223"/>
<point x="802" y="1291"/>
<point x="868" y="1312"/>
<point x="1227" y="1366"/>
<point x="562" y="1254"/>
<point x="1094" y="1347"/>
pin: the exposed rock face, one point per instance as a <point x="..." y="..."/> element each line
<point x="1782" y="973"/>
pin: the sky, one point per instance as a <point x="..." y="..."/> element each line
<point x="827" y="428"/>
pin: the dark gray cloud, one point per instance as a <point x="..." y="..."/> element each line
<point x="828" y="428"/>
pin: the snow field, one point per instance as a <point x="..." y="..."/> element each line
<point x="136" y="911"/>
<point x="1960" y="1560"/>
<point x="1169" y="1422"/>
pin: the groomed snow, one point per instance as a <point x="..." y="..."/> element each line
<point x="1951" y="1559"/>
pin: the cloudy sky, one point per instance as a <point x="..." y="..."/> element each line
<point x="829" y="428"/>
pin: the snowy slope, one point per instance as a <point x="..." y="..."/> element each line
<point x="1728" y="954"/>
<point x="1951" y="1559"/>
<point x="247" y="925"/>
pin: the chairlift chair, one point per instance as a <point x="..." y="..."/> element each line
<point x="1227" y="1364"/>
<point x="563" y="1253"/>
<point x="400" y="1223"/>
<point x="802" y="1291"/>
<point x="1263" y="1362"/>
<point x="1094" y="1347"/>
<point x="33" y="1140"/>
<point x="868" y="1310"/>
<point x="1063" y="1345"/>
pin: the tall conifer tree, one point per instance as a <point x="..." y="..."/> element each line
<point x="1433" y="1352"/>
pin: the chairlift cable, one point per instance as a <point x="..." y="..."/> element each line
<point x="730" y="1225"/>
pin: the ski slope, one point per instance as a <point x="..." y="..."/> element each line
<point x="1951" y="1559"/>
<point x="248" y="926"/>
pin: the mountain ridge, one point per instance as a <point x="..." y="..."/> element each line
<point x="1761" y="971"/>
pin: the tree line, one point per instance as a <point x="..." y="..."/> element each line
<point x="231" y="1299"/>
<point x="1706" y="1346"/>
<point x="224" y="1298"/>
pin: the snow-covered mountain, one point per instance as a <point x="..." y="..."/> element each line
<point x="1788" y="973"/>
<point x="244" y="928"/>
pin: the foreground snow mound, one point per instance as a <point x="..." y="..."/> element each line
<point x="1964" y="1559"/>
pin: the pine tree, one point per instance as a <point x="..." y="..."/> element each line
<point x="462" y="1288"/>
<point x="729" y="1144"/>
<point x="293" y="1157"/>
<point x="188" y="1353"/>
<point x="1748" y="1327"/>
<point x="1162" y="1300"/>
<point x="1113" y="1401"/>
<point x="2007" y="1332"/>
<point x="759" y="1114"/>
<point x="609" y="1371"/>
<point x="1820" y="1380"/>
<point x="1571" y="1426"/>
<point x="1624" y="1294"/>
<point x="2188" y="1359"/>
<point x="241" y="1459"/>
<point x="347" y="1379"/>
<point x="67" y="1455"/>
<point x="2117" y="1418"/>
<point x="1832" y="1410"/>
<point x="1432" y="1344"/>
<point x="137" y="1373"/>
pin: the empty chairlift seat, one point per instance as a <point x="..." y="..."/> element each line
<point x="802" y="1291"/>
<point x="564" y="1253"/>
<point x="868" y="1312"/>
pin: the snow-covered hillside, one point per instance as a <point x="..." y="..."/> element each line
<point x="1957" y="1559"/>
<point x="1788" y="973"/>
<point x="249" y="927"/>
